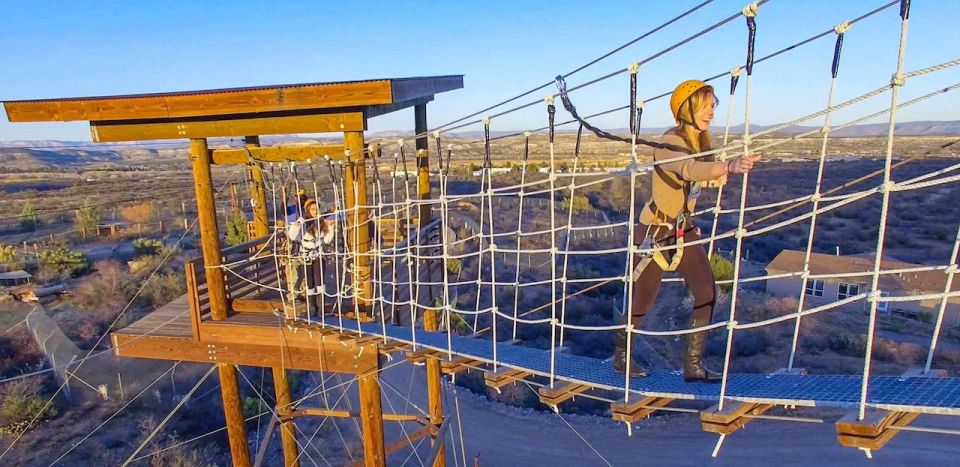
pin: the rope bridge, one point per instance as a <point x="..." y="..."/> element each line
<point x="474" y="276"/>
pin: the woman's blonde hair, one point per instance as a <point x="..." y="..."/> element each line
<point x="696" y="140"/>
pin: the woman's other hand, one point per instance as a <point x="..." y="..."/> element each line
<point x="742" y="164"/>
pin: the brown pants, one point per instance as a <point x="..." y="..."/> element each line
<point x="695" y="269"/>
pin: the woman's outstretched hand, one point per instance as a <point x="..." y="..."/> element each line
<point x="742" y="164"/>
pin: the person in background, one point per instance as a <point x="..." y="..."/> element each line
<point x="309" y="234"/>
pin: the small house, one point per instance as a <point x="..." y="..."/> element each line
<point x="14" y="278"/>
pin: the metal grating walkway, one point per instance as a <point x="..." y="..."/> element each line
<point x="915" y="394"/>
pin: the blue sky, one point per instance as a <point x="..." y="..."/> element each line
<point x="78" y="48"/>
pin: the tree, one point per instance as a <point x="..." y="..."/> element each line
<point x="8" y="254"/>
<point x="88" y="216"/>
<point x="237" y="229"/>
<point x="63" y="262"/>
<point x="147" y="246"/>
<point x="29" y="220"/>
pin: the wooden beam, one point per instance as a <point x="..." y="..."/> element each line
<point x="328" y="357"/>
<point x="288" y="429"/>
<point x="358" y="235"/>
<point x="640" y="408"/>
<point x="874" y="431"/>
<point x="277" y="153"/>
<point x="420" y="356"/>
<point x="233" y="412"/>
<point x="371" y="420"/>
<point x="553" y="397"/>
<point x="735" y="415"/>
<point x="207" y="102"/>
<point x="431" y="323"/>
<point x="209" y="234"/>
<point x="503" y="377"/>
<point x="407" y="440"/>
<point x="317" y="412"/>
<point x="102" y="131"/>
<point x="257" y="189"/>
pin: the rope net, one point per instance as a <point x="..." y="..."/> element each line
<point x="491" y="263"/>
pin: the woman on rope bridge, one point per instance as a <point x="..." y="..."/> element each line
<point x="308" y="238"/>
<point x="665" y="221"/>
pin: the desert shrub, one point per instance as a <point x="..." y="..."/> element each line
<point x="147" y="246"/>
<point x="722" y="270"/>
<point x="29" y="221"/>
<point x="63" y="262"/>
<point x="164" y="287"/>
<point x="8" y="254"/>
<point x="140" y="212"/>
<point x="577" y="204"/>
<point x="18" y="350"/>
<point x="454" y="265"/>
<point x="106" y="291"/>
<point x="748" y="344"/>
<point x="848" y="344"/>
<point x="925" y="317"/>
<point x="21" y="403"/>
<point x="237" y="229"/>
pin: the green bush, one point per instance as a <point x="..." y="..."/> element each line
<point x="21" y="403"/>
<point x="163" y="288"/>
<point x="579" y="204"/>
<point x="722" y="270"/>
<point x="29" y="221"/>
<point x="237" y="229"/>
<point x="925" y="317"/>
<point x="63" y="262"/>
<point x="147" y="246"/>
<point x="8" y="254"/>
<point x="454" y="265"/>
<point x="253" y="406"/>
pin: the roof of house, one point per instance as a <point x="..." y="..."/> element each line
<point x="924" y="281"/>
<point x="20" y="274"/>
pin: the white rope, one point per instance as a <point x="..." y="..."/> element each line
<point x="951" y="271"/>
<point x="878" y="258"/>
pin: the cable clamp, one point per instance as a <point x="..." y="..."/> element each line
<point x="436" y="135"/>
<point x="951" y="269"/>
<point x="549" y="100"/>
<point x="741" y="232"/>
<point x="842" y="27"/>
<point x="553" y="176"/>
<point x="554" y="251"/>
<point x="526" y="134"/>
<point x="751" y="10"/>
<point x="400" y="142"/>
<point x="888" y="186"/>
<point x="641" y="103"/>
<point x="732" y="324"/>
<point x="634" y="68"/>
<point x="492" y="247"/>
<point x="735" y="71"/>
<point x="815" y="197"/>
<point x="825" y="130"/>
<point x="746" y="141"/>
<point x="630" y="327"/>
<point x="563" y="280"/>
<point x="897" y="79"/>
<point x="873" y="295"/>
<point x="486" y="120"/>
<point x="805" y="274"/>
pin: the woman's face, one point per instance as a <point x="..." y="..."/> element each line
<point x="703" y="114"/>
<point x="313" y="211"/>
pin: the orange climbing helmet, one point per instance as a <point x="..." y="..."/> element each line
<point x="683" y="92"/>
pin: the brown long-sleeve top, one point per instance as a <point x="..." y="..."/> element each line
<point x="670" y="200"/>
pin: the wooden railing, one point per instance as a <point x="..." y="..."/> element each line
<point x="259" y="270"/>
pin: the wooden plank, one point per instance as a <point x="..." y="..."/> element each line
<point x="278" y="153"/>
<point x="321" y="123"/>
<point x="458" y="364"/>
<point x="319" y="412"/>
<point x="553" y="397"/>
<point x="420" y="356"/>
<point x="503" y="377"/>
<point x="874" y="422"/>
<point x="205" y="102"/>
<point x="880" y="439"/>
<point x="632" y="412"/>
<point x="322" y="357"/>
<point x="717" y="422"/>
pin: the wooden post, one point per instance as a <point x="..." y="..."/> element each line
<point x="233" y="412"/>
<point x="288" y="436"/>
<point x="216" y="290"/>
<point x="358" y="233"/>
<point x="371" y="420"/>
<point x="258" y="192"/>
<point x="434" y="389"/>
<point x="423" y="162"/>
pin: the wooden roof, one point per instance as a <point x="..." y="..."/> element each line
<point x="261" y="110"/>
<point x="333" y="96"/>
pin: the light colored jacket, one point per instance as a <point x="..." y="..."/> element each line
<point x="668" y="198"/>
<point x="311" y="245"/>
